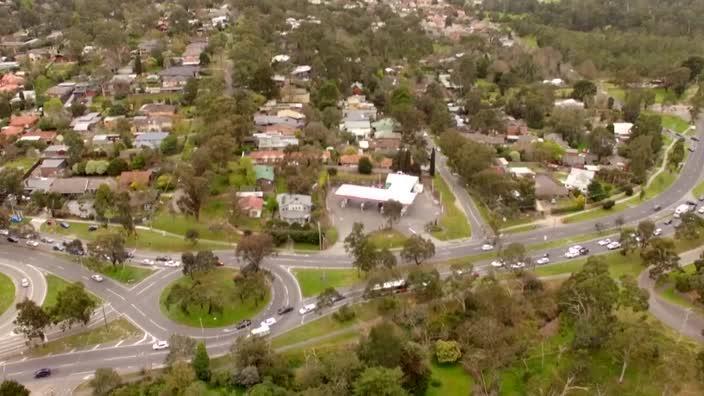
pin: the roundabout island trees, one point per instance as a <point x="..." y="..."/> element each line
<point x="217" y="297"/>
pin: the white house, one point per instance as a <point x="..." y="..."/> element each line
<point x="579" y="179"/>
<point x="622" y="130"/>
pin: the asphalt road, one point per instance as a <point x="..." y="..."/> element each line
<point x="139" y="303"/>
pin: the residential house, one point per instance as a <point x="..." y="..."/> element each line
<point x="281" y="129"/>
<point x="11" y="83"/>
<point x="294" y="208"/>
<point x="130" y="179"/>
<point x="515" y="127"/>
<point x="569" y="104"/>
<point x="301" y="72"/>
<point x="252" y="206"/>
<point x="492" y="140"/>
<point x="573" y="159"/>
<point x="547" y="188"/>
<point x="46" y="137"/>
<point x="61" y="91"/>
<point x="556" y="138"/>
<point x="111" y="121"/>
<point x="288" y="113"/>
<point x="266" y="141"/>
<point x="146" y="47"/>
<point x="265" y="177"/>
<point x="266" y="119"/>
<point x="103" y="141"/>
<point x="32" y="184"/>
<point x="175" y="78"/>
<point x="622" y="130"/>
<point x="361" y="129"/>
<point x="55" y="151"/>
<point x="86" y="122"/>
<point x="292" y="94"/>
<point x="349" y="159"/>
<point x="521" y="171"/>
<point x="191" y="56"/>
<point x="150" y="139"/>
<point x="25" y="121"/>
<point x="52" y="167"/>
<point x="579" y="179"/>
<point x="266" y="156"/>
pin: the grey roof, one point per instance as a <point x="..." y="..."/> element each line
<point x="73" y="185"/>
<point x="52" y="163"/>
<point x="289" y="206"/>
<point x="180" y="71"/>
<point x="38" y="183"/>
<point x="151" y="136"/>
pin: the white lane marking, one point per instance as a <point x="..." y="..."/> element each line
<point x="139" y="310"/>
<point x="95" y="347"/>
<point x="117" y="294"/>
<point x="119" y="343"/>
<point x="121" y="357"/>
<point x="145" y="288"/>
<point x="157" y="325"/>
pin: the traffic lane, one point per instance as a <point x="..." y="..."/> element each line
<point x="36" y="291"/>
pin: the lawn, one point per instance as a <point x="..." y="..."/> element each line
<point x="119" y="329"/>
<point x="388" y="239"/>
<point x="211" y="224"/>
<point x="219" y="282"/>
<point x="453" y="221"/>
<point x="326" y="325"/>
<point x="677" y="124"/>
<point x="698" y="191"/>
<point x="314" y="281"/>
<point x="521" y="228"/>
<point x="54" y="285"/>
<point x="660" y="183"/>
<point x="22" y="163"/>
<point x="7" y="292"/>
<point x="449" y="379"/>
<point x="618" y="265"/>
<point x="127" y="274"/>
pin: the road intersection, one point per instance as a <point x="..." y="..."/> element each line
<point x="139" y="303"/>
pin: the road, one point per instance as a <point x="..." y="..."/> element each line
<point x="139" y="303"/>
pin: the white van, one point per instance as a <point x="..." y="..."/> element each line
<point x="261" y="331"/>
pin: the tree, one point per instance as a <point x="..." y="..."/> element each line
<point x="392" y="212"/>
<point x="386" y="258"/>
<point x="365" y="166"/>
<point x="628" y="241"/>
<point x="327" y="95"/>
<point x="124" y="212"/>
<point x="646" y="228"/>
<point x="660" y="256"/>
<point x="188" y="264"/>
<point x="417" y="249"/>
<point x="201" y="363"/>
<point x="104" y="203"/>
<point x="31" y="320"/>
<point x="137" y="68"/>
<point x="110" y="246"/>
<point x="169" y="146"/>
<point x="383" y="346"/>
<point x="253" y="249"/>
<point x="181" y="348"/>
<point x="178" y="378"/>
<point x="447" y="351"/>
<point x="362" y="250"/>
<point x="327" y="298"/>
<point x="192" y="236"/>
<point x="10" y="182"/>
<point x="514" y="253"/>
<point x="601" y="142"/>
<point x="677" y="79"/>
<point x="583" y="89"/>
<point x="691" y="226"/>
<point x="105" y="381"/>
<point x="675" y="158"/>
<point x="633" y="341"/>
<point x="195" y="189"/>
<point x="13" y="388"/>
<point x="416" y="369"/>
<point x="73" y="305"/>
<point x="379" y="381"/>
<point x="117" y="166"/>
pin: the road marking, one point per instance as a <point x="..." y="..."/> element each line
<point x="95" y="347"/>
<point x="412" y="230"/>
<point x="138" y="310"/>
<point x="145" y="288"/>
<point x="117" y="294"/>
<point x="157" y="325"/>
<point x="119" y="343"/>
<point x="166" y="276"/>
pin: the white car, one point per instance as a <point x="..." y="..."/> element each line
<point x="32" y="243"/>
<point x="307" y="308"/>
<point x="658" y="231"/>
<point x="700" y="210"/>
<point x="497" y="263"/>
<point x="542" y="260"/>
<point x="575" y="248"/>
<point x="614" y="245"/>
<point x="148" y="262"/>
<point x="24" y="282"/>
<point x="486" y="247"/>
<point x="172" y="263"/>
<point x="518" y="265"/>
<point x="97" y="277"/>
<point x="159" y="345"/>
<point x="604" y="242"/>
<point x="4" y="232"/>
<point x="572" y="253"/>
<point x="268" y="322"/>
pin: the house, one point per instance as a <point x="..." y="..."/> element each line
<point x="361" y="129"/>
<point x="61" y="91"/>
<point x="104" y="140"/>
<point x="350" y="159"/>
<point x="573" y="158"/>
<point x="266" y="141"/>
<point x="150" y="139"/>
<point x="191" y="55"/>
<point x="515" y="127"/>
<point x="493" y="140"/>
<point x="25" y="121"/>
<point x="55" y="151"/>
<point x="579" y="179"/>
<point x="569" y="104"/>
<point x="110" y="122"/>
<point x="294" y="208"/>
<point x="281" y="129"/>
<point x="521" y="171"/>
<point x="11" y="131"/>
<point x="175" y="78"/>
<point x="151" y="124"/>
<point x="622" y="130"/>
<point x="298" y="116"/>
<point x="129" y="179"/>
<point x="146" y="47"/>
<point x="266" y="119"/>
<point x="292" y="94"/>
<point x="556" y="138"/>
<point x="547" y="188"/>
<point x="252" y="206"/>
<point x="76" y="186"/>
<point x="302" y="72"/>
<point x="32" y="184"/>
<point x="52" y="167"/>
<point x="37" y="135"/>
<point x="11" y="83"/>
<point x="265" y="177"/>
<point x="158" y="109"/>
<point x="86" y="122"/>
<point x="266" y="156"/>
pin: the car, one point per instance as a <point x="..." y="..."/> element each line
<point x="219" y="263"/>
<point x="542" y="260"/>
<point x="487" y="246"/>
<point x="604" y="242"/>
<point x="268" y="322"/>
<point x="571" y="253"/>
<point x="518" y="265"/>
<point x="172" y="263"/>
<point x="700" y="210"/>
<point x="58" y="247"/>
<point x="46" y="240"/>
<point x="497" y="263"/>
<point x="657" y="232"/>
<point x="97" y="277"/>
<point x="691" y="203"/>
<point x="24" y="282"/>
<point x="668" y="222"/>
<point x="64" y="224"/>
<point x="656" y="208"/>
<point x="696" y="139"/>
<point x="690" y="149"/>
<point x="32" y="243"/>
<point x="160" y="345"/>
<point x="243" y="324"/>
<point x="163" y="258"/>
<point x="307" y="308"/>
<point x="614" y="245"/>
<point x="92" y="227"/>
<point x="147" y="261"/>
<point x="575" y="247"/>
<point x="4" y="232"/>
<point x="284" y="310"/>
<point x="13" y="239"/>
<point x="583" y="251"/>
<point x="42" y="373"/>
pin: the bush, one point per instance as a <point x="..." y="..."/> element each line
<point x="332" y="171"/>
<point x="344" y="314"/>
<point x="608" y="204"/>
<point x="628" y="190"/>
<point x="683" y="283"/>
<point x="365" y="166"/>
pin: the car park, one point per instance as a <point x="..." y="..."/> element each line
<point x="657" y="232"/>
<point x="97" y="277"/>
<point x="42" y="373"/>
<point x="24" y="282"/>
<point x="614" y="245"/>
<point x="160" y="345"/>
<point x="307" y="308"/>
<point x="487" y="246"/>
<point x="284" y="310"/>
<point x="243" y="324"/>
<point x="604" y="242"/>
<point x="268" y="322"/>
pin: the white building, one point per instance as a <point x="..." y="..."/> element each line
<point x="579" y="179"/>
<point x="622" y="130"/>
<point x="399" y="187"/>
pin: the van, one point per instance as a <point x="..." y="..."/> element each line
<point x="261" y="331"/>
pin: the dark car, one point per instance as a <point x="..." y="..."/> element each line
<point x="657" y="207"/>
<point x="163" y="258"/>
<point x="696" y="139"/>
<point x="668" y="221"/>
<point x="13" y="239"/>
<point x="243" y="324"/>
<point x="64" y="224"/>
<point x="583" y="251"/>
<point x="41" y="373"/>
<point x="284" y="310"/>
<point x="691" y="203"/>
<point x="92" y="227"/>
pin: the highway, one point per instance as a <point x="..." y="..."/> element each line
<point x="140" y="303"/>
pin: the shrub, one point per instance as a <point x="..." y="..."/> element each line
<point x="683" y="283"/>
<point x="344" y="314"/>
<point x="365" y="166"/>
<point x="608" y="204"/>
<point x="628" y="190"/>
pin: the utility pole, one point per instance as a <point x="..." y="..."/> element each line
<point x="105" y="318"/>
<point x="320" y="237"/>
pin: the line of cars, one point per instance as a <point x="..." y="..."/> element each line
<point x="500" y="263"/>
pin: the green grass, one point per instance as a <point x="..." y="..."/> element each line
<point x="660" y="183"/>
<point x="619" y="265"/>
<point x="452" y="379"/>
<point x="22" y="163"/>
<point x="220" y="282"/>
<point x="127" y="274"/>
<point x="677" y="124"/>
<point x="211" y="225"/>
<point x="522" y="228"/>
<point x="615" y="91"/>
<point x="326" y="325"/>
<point x="119" y="329"/>
<point x="314" y="281"/>
<point x="54" y="285"/>
<point x="698" y="191"/>
<point x="530" y="41"/>
<point x="7" y="292"/>
<point x="453" y="221"/>
<point x="389" y="239"/>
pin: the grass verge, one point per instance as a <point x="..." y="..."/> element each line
<point x="119" y="329"/>
<point x="388" y="239"/>
<point x="314" y="281"/>
<point x="7" y="293"/>
<point x="54" y="285"/>
<point x="123" y="273"/>
<point x="219" y="282"/>
<point x="453" y="221"/>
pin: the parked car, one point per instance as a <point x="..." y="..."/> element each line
<point x="47" y="240"/>
<point x="147" y="262"/>
<point x="97" y="277"/>
<point x="583" y="251"/>
<point x="696" y="139"/>
<point x="42" y="373"/>
<point x="92" y="227"/>
<point x="58" y="247"/>
<point x="657" y="207"/>
<point x="700" y="210"/>
<point x="542" y="260"/>
<point x="163" y="258"/>
<point x="571" y="253"/>
<point x="284" y="310"/>
<point x="24" y="282"/>
<point x="159" y="345"/>
<point x="268" y="322"/>
<point x="518" y="265"/>
<point x="307" y="308"/>
<point x="668" y="222"/>
<point x="497" y="263"/>
<point x="64" y="224"/>
<point x="243" y="324"/>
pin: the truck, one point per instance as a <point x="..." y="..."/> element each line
<point x="682" y="209"/>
